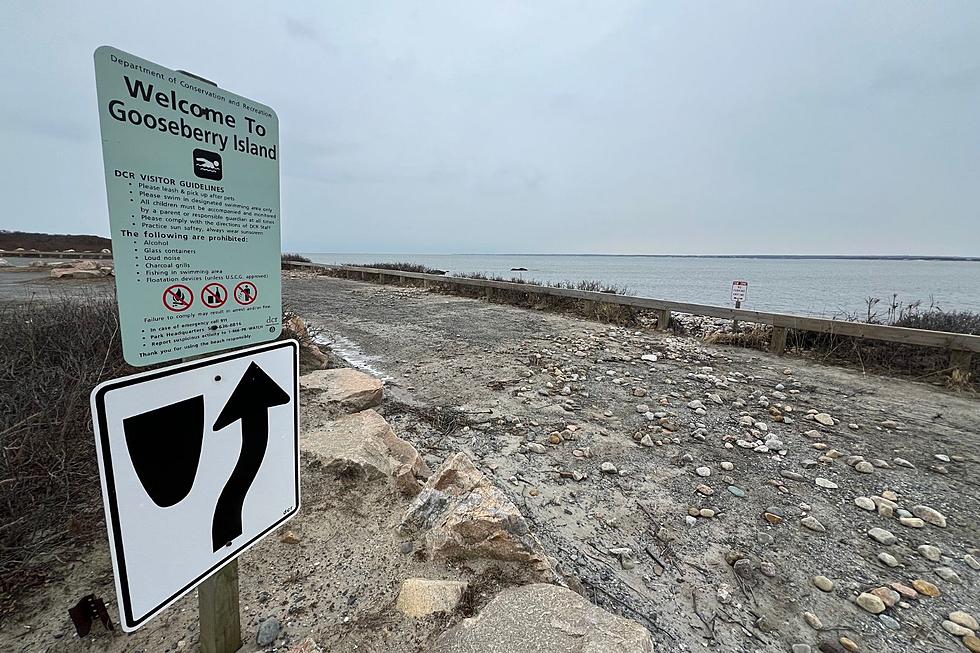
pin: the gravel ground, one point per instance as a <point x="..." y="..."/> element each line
<point x="545" y="401"/>
<point x="708" y="525"/>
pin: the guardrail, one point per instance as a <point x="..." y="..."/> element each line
<point x="961" y="346"/>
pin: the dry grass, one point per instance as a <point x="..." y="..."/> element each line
<point x="399" y="267"/>
<point x="596" y="310"/>
<point x="52" y="354"/>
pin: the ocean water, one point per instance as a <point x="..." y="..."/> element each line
<point x="821" y="287"/>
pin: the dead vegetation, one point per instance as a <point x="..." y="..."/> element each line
<point x="53" y="352"/>
<point x="595" y="310"/>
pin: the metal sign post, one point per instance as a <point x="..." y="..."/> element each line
<point x="192" y="179"/>
<point x="739" y="288"/>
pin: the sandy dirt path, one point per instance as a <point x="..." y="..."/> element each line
<point x="544" y="402"/>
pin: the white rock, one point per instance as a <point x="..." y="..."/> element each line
<point x="824" y="418"/>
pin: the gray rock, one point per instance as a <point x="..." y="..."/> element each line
<point x="864" y="467"/>
<point x="882" y="536"/>
<point x="888" y="559"/>
<point x="947" y="574"/>
<point x="964" y="619"/>
<point x="824" y="418"/>
<point x="608" y="468"/>
<point x="544" y="619"/>
<point x="743" y="568"/>
<point x="341" y="390"/>
<point x="813" y="621"/>
<point x="888" y="622"/>
<point x="813" y="524"/>
<point x="930" y="552"/>
<point x="930" y="515"/>
<point x="864" y="503"/>
<point x="870" y="603"/>
<point x="823" y="583"/>
<point x="268" y="631"/>
<point x="826" y="483"/>
<point x="956" y="630"/>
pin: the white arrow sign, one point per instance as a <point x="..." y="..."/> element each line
<point x="199" y="462"/>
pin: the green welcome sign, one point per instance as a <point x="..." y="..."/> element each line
<point x="192" y="178"/>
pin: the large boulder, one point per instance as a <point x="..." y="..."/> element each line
<point x="544" y="619"/>
<point x="85" y="265"/>
<point x="341" y="390"/>
<point x="419" y="597"/>
<point x="74" y="273"/>
<point x="4" y="263"/>
<point x="363" y="446"/>
<point x="310" y="355"/>
<point x="465" y="516"/>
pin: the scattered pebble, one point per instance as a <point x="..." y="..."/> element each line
<point x="882" y="536"/>
<point x="925" y="587"/>
<point x="268" y="631"/>
<point x="870" y="603"/>
<point x="823" y="583"/>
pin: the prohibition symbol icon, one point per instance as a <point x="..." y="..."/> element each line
<point x="178" y="298"/>
<point x="246" y="293"/>
<point x="214" y="295"/>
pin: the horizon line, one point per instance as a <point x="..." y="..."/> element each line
<point x="898" y="257"/>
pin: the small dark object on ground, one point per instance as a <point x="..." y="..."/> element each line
<point x="88" y="609"/>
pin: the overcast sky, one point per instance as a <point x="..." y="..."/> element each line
<point x="607" y="127"/>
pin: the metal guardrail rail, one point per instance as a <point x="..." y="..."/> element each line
<point x="961" y="346"/>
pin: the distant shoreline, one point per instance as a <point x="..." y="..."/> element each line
<point x="821" y="257"/>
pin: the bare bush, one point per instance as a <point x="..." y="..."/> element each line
<point x="400" y="267"/>
<point x="53" y="354"/>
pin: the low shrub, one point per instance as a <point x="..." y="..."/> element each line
<point x="288" y="257"/>
<point x="53" y="354"/>
<point x="400" y="267"/>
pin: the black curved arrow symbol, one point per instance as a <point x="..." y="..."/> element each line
<point x="250" y="402"/>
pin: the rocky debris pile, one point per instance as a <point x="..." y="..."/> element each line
<point x="463" y="515"/>
<point x="544" y="619"/>
<point x="363" y="447"/>
<point x="83" y="269"/>
<point x="708" y="436"/>
<point x="311" y="357"/>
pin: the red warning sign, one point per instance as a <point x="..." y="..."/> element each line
<point x="214" y="295"/>
<point x="178" y="298"/>
<point x="246" y="293"/>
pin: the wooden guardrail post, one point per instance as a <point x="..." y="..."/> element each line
<point x="663" y="319"/>
<point x="960" y="360"/>
<point x="777" y="344"/>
